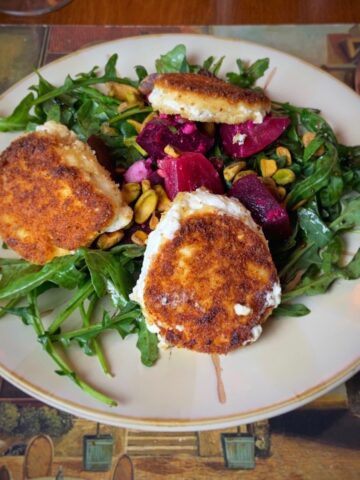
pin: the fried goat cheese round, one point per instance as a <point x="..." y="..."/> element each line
<point x="208" y="281"/>
<point x="207" y="99"/>
<point x="54" y="195"/>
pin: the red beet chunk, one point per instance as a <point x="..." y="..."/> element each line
<point x="264" y="208"/>
<point x="245" y="139"/>
<point x="188" y="172"/>
<point x="182" y="134"/>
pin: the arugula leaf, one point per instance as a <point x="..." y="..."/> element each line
<point x="110" y="67"/>
<point x="174" y="61"/>
<point x="147" y="344"/>
<point x="349" y="217"/>
<point x="216" y="67"/>
<point x="75" y="302"/>
<point x="332" y="193"/>
<point x="12" y="269"/>
<point x="60" y="271"/>
<point x="141" y="72"/>
<point x="208" y="63"/>
<point x="291" y="310"/>
<point x="314" y="228"/>
<point x="312" y="286"/>
<point x="129" y="250"/>
<point x="31" y="316"/>
<point x="20" y="117"/>
<point x="352" y="269"/>
<point x="331" y="254"/>
<point x="248" y="75"/>
<point x="125" y="322"/>
<point x="310" y="120"/>
<point x="300" y="260"/>
<point x="305" y="189"/>
<point x="108" y="275"/>
<point x="313" y="147"/>
<point x="314" y="283"/>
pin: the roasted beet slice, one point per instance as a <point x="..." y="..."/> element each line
<point x="266" y="211"/>
<point x="182" y="134"/>
<point x="188" y="172"/>
<point x="245" y="139"/>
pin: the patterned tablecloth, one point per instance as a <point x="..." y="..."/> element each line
<point x="326" y="433"/>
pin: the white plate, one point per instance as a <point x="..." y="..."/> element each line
<point x="296" y="359"/>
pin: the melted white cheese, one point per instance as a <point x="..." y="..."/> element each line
<point x="241" y="310"/>
<point x="239" y="138"/>
<point x="255" y="334"/>
<point x="273" y="297"/>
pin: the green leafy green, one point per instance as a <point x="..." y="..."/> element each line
<point x="147" y="344"/>
<point x="315" y="230"/>
<point x="305" y="189"/>
<point x="173" y="62"/>
<point x="108" y="276"/>
<point x="291" y="310"/>
<point x="20" y="117"/>
<point x="349" y="217"/>
<point x="248" y="74"/>
<point x="313" y="147"/>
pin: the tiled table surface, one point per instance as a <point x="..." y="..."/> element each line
<point x="24" y="48"/>
<point x="334" y="47"/>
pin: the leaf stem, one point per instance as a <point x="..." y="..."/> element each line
<point x="86" y="317"/>
<point x="10" y="304"/>
<point x="65" y="368"/>
<point x="77" y="300"/>
<point x="129" y="113"/>
<point x="93" y="330"/>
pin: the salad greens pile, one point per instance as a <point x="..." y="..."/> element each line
<point x="322" y="203"/>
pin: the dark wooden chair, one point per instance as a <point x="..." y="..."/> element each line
<point x="124" y="469"/>
<point x="39" y="457"/>
<point x="4" y="473"/>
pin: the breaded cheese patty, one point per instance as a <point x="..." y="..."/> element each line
<point x="55" y="196"/>
<point x="208" y="281"/>
<point x="207" y="99"/>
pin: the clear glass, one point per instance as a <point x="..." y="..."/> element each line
<point x="30" y="7"/>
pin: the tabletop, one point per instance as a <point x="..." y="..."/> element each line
<point x="199" y="12"/>
<point x="318" y="442"/>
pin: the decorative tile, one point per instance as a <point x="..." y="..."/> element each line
<point x="65" y="39"/>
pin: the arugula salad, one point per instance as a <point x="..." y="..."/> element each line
<point x="307" y="170"/>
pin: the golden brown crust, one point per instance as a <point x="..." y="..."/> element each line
<point x="47" y="205"/>
<point x="213" y="263"/>
<point x="211" y="88"/>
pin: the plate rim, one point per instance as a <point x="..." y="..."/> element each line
<point x="152" y="424"/>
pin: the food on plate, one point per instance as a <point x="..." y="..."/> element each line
<point x="208" y="281"/>
<point x="206" y="172"/>
<point x="54" y="195"/>
<point x="264" y="207"/>
<point x="187" y="172"/>
<point x="207" y="99"/>
<point x="181" y="134"/>
<point x="245" y="139"/>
